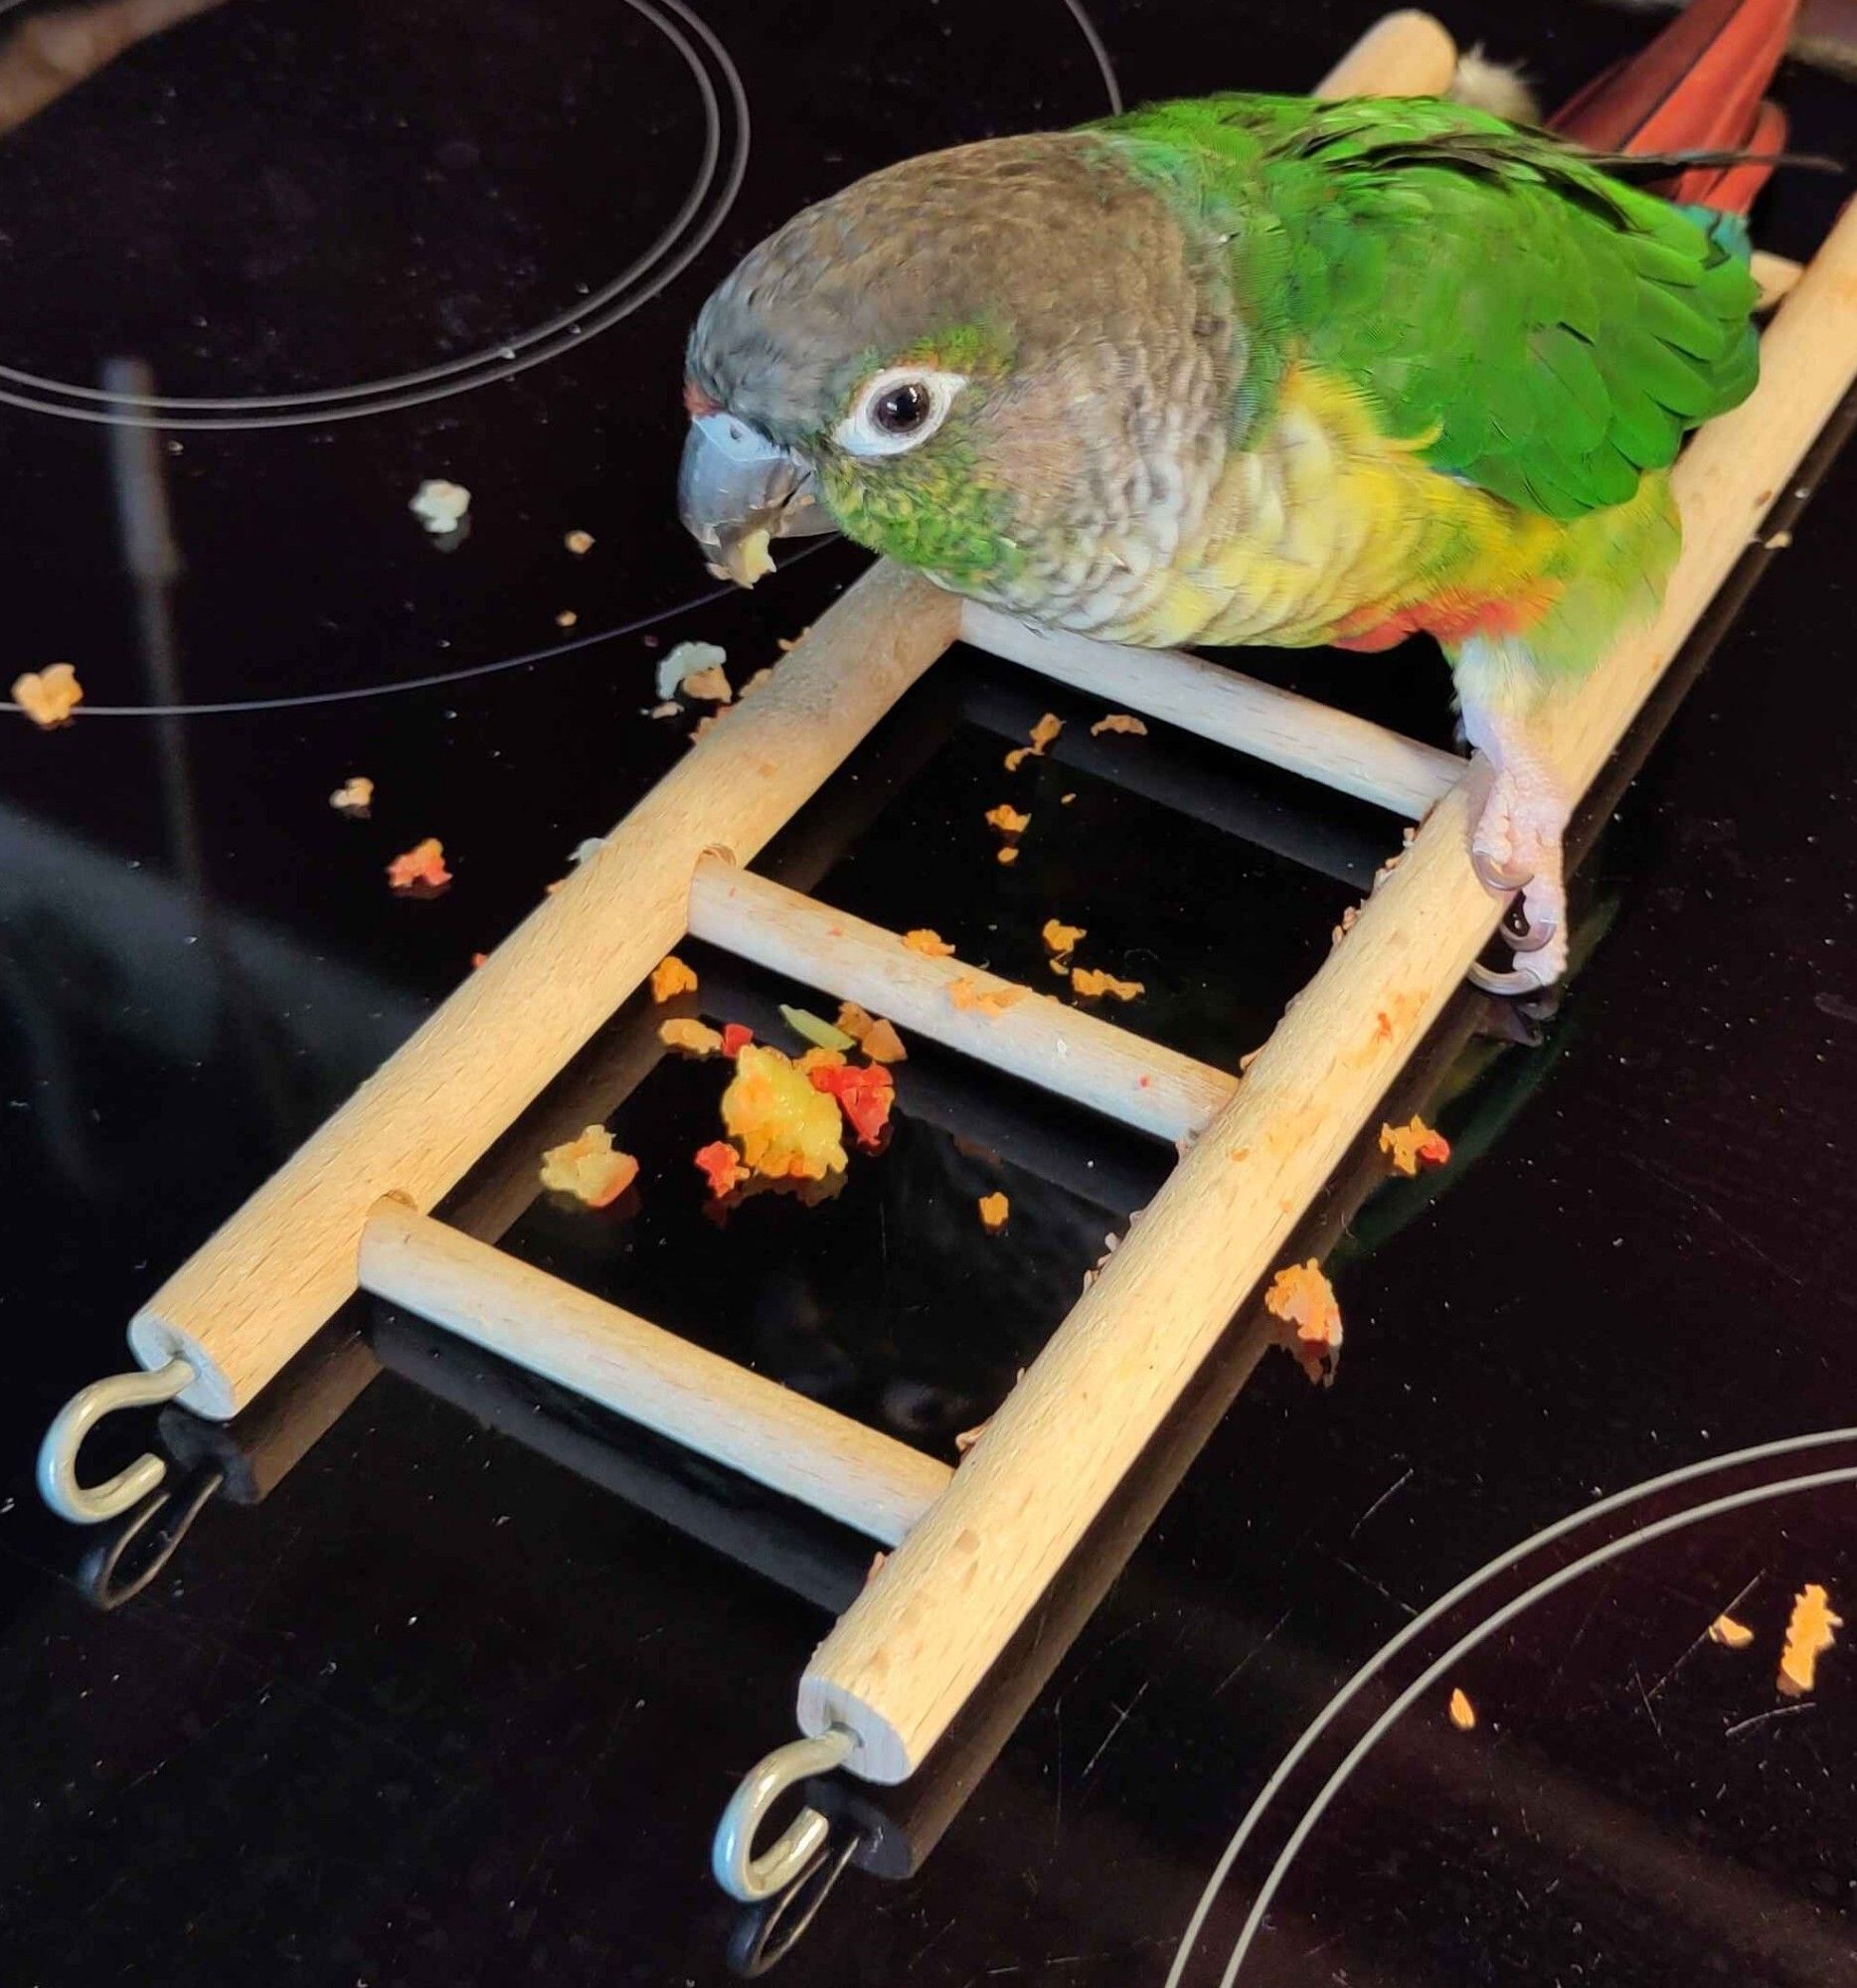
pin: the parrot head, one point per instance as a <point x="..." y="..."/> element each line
<point x="994" y="363"/>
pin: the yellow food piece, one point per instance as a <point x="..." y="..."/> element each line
<point x="931" y="944"/>
<point x="1043" y="732"/>
<point x="354" y="796"/>
<point x="1811" y="1632"/>
<point x="1301" y="1296"/>
<point x="1093" y="984"/>
<point x="566" y="618"/>
<point x="1061" y="938"/>
<point x="588" y="1168"/>
<point x="1008" y="819"/>
<point x="786" y="1130"/>
<point x="756" y="556"/>
<point x="579" y="541"/>
<point x="1731" y="1635"/>
<point x="1009" y="854"/>
<point x="671" y="977"/>
<point x="1462" y="1711"/>
<point x="685" y="1032"/>
<point x="994" y="1210"/>
<point x="1118" y="721"/>
<point x="49" y="695"/>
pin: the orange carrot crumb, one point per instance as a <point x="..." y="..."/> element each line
<point x="671" y="977"/>
<point x="1043" y="732"/>
<point x="1061" y="939"/>
<point x="355" y="796"/>
<point x="1008" y="819"/>
<point x="1093" y="984"/>
<point x="995" y="1210"/>
<point x="49" y="695"/>
<point x="1811" y="1632"/>
<point x="1462" y="1711"/>
<point x="722" y="1167"/>
<point x="1413" y="1146"/>
<point x="1731" y="1635"/>
<point x="970" y="997"/>
<point x="931" y="944"/>
<point x="421" y="867"/>
<point x="1118" y="721"/>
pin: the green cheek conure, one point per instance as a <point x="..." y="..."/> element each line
<point x="1248" y="369"/>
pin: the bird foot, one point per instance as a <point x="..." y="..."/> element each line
<point x="1515" y="849"/>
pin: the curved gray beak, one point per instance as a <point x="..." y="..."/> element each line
<point x="736" y="491"/>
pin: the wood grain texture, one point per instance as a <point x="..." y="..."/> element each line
<point x="838" y="1466"/>
<point x="1065" y="1050"/>
<point x="910" y="1650"/>
<point x="259" y="1289"/>
<point x="1333" y="747"/>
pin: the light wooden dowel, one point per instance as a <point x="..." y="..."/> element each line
<point x="1060" y="1049"/>
<point x="259" y="1289"/>
<point x="912" y="1649"/>
<point x="1334" y="746"/>
<point x="1776" y="276"/>
<point x="1408" y="54"/>
<point x="708" y="1403"/>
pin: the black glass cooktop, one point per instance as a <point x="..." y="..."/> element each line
<point x="451" y="1675"/>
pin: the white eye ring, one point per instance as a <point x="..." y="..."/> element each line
<point x="859" y="435"/>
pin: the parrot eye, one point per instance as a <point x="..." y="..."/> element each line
<point x="898" y="410"/>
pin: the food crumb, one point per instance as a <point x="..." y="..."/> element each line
<point x="995" y="1210"/>
<point x="1092" y="983"/>
<point x="787" y="1129"/>
<point x="355" y="796"/>
<point x="439" y="505"/>
<point x="875" y="1566"/>
<point x="931" y="944"/>
<point x="864" y="1091"/>
<point x="1301" y="1296"/>
<point x="421" y="867"/>
<point x="970" y="996"/>
<point x="1118" y="721"/>
<point x="588" y="1168"/>
<point x="579" y="541"/>
<point x="1061" y="939"/>
<point x="1043" y="732"/>
<point x="477" y="959"/>
<point x="1462" y="1711"/>
<point x="1731" y="1635"/>
<point x="566" y="618"/>
<point x="1064" y="800"/>
<point x="1008" y="819"/>
<point x="49" y="695"/>
<point x="671" y="977"/>
<point x="815" y="1029"/>
<point x="722" y="1167"/>
<point x="685" y="1032"/>
<point x="1413" y="1146"/>
<point x="1010" y="854"/>
<point x="668" y="709"/>
<point x="1778" y="542"/>
<point x="686" y="660"/>
<point x="1811" y="1632"/>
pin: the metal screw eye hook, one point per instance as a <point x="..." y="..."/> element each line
<point x="767" y="1932"/>
<point x="91" y="1505"/>
<point x="738" y="1869"/>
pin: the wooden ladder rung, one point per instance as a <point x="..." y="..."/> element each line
<point x="1322" y="743"/>
<point x="797" y="1446"/>
<point x="1060" y="1049"/>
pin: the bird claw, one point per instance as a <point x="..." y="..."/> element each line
<point x="1532" y="938"/>
<point x="1497" y="881"/>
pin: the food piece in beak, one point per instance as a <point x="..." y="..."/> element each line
<point x="736" y="491"/>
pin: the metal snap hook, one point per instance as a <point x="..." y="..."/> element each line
<point x="97" y="1575"/>
<point x="91" y="1505"/>
<point x="738" y="1869"/>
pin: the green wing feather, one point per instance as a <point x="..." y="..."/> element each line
<point x="1554" y="330"/>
